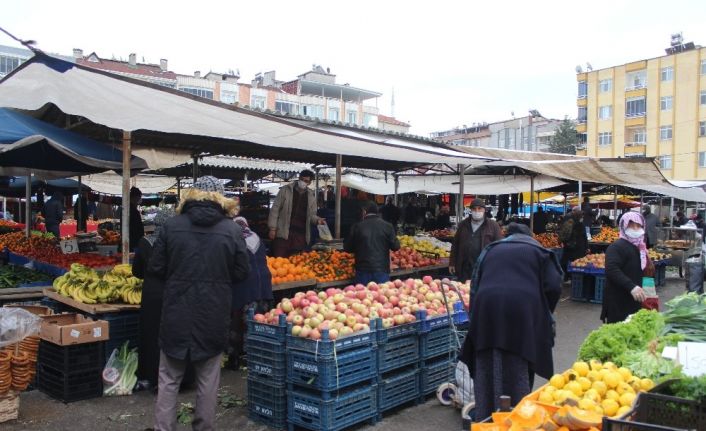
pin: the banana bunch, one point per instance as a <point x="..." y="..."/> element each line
<point x="83" y="284"/>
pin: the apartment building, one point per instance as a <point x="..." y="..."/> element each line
<point x="648" y="108"/>
<point x="532" y="132"/>
<point x="11" y="58"/>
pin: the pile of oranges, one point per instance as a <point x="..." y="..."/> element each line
<point x="324" y="266"/>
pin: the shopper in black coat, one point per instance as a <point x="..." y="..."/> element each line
<point x="626" y="260"/>
<point x="517" y="284"/>
<point x="572" y="234"/>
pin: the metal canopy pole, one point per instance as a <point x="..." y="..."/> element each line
<point x="178" y="189"/>
<point x="245" y="181"/>
<point x="195" y="173"/>
<point x="671" y="218"/>
<point x="79" y="213"/>
<point x="615" y="203"/>
<point x="125" y="224"/>
<point x="531" y="203"/>
<point x="339" y="162"/>
<point x="461" y="192"/>
<point x="397" y="186"/>
<point x="580" y="193"/>
<point x="316" y="185"/>
<point x="28" y="204"/>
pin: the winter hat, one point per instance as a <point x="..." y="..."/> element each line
<point x="162" y="215"/>
<point x="209" y="184"/>
<point x="477" y="202"/>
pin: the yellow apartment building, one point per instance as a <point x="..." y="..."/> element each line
<point x="648" y="108"/>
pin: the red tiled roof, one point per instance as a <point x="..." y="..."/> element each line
<point x="152" y="70"/>
<point x="391" y="120"/>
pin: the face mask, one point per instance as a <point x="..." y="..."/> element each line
<point x="301" y="184"/>
<point x="477" y="215"/>
<point x="632" y="233"/>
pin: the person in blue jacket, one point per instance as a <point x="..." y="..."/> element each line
<point x="255" y="291"/>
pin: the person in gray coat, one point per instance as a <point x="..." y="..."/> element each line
<point x="651" y="226"/>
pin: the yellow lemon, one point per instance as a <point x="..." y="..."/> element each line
<point x="623" y="388"/>
<point x="600" y="387"/>
<point x="599" y="410"/>
<point x="557" y="381"/>
<point x="546" y="397"/>
<point x="627" y="399"/>
<point x="593" y="375"/>
<point x="612" y="395"/>
<point x="609" y="365"/>
<point x="634" y="382"/>
<point x="581" y="368"/>
<point x="574" y="387"/>
<point x="592" y="395"/>
<point x="587" y="404"/>
<point x="584" y="382"/>
<point x="595" y="365"/>
<point x="604" y="372"/>
<point x="647" y="384"/>
<point x="622" y="411"/>
<point x="610" y="407"/>
<point x="612" y="379"/>
<point x="549" y="388"/>
<point x="625" y="372"/>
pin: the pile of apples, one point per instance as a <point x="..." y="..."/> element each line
<point x="408" y="258"/>
<point x="591" y="260"/>
<point x="350" y="310"/>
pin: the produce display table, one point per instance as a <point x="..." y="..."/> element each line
<point x="89" y="308"/>
<point x="310" y="282"/>
<point x="21" y="294"/>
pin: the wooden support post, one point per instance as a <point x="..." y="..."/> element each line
<point x="125" y="220"/>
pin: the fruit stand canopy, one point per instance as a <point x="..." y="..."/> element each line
<point x="30" y="145"/>
<point x="160" y="117"/>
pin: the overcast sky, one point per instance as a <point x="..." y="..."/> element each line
<point x="450" y="62"/>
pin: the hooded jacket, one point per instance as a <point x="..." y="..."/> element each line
<point x="200" y="254"/>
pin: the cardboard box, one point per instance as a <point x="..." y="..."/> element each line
<point x="39" y="310"/>
<point x="72" y="328"/>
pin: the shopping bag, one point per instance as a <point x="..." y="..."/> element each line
<point x="324" y="232"/>
<point x="119" y="373"/>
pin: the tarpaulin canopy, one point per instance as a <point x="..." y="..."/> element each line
<point x="111" y="184"/>
<point x="30" y="145"/>
<point x="234" y="168"/>
<point x="168" y="118"/>
<point x="16" y="186"/>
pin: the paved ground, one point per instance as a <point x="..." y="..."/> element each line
<point x="38" y="412"/>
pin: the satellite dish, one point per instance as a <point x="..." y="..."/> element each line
<point x="579" y="69"/>
<point x="589" y="67"/>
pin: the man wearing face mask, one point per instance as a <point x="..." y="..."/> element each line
<point x="472" y="235"/>
<point x="626" y="262"/>
<point x="291" y="216"/>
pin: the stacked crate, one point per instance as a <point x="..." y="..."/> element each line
<point x="397" y="363"/>
<point x="267" y="371"/>
<point x="331" y="384"/>
<point x="70" y="373"/>
<point x="439" y="343"/>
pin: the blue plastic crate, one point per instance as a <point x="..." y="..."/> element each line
<point x="52" y="270"/>
<point x="307" y="410"/>
<point x="598" y="287"/>
<point x="397" y="353"/>
<point x="330" y="347"/>
<point x="398" y="388"/>
<point x="275" y="332"/>
<point x="122" y="327"/>
<point x="267" y="404"/>
<point x="46" y="282"/>
<point x="579" y="287"/>
<point x="267" y="360"/>
<point x="437" y="342"/>
<point x="660" y="275"/>
<point x="435" y="372"/>
<point x="331" y="372"/>
<point x="17" y="259"/>
<point x="429" y="324"/>
<point x="385" y="334"/>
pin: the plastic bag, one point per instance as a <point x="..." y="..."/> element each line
<point x="119" y="373"/>
<point x="464" y="383"/>
<point x="16" y="324"/>
<point x="324" y="232"/>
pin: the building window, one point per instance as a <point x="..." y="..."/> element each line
<point x="702" y="128"/>
<point x="636" y="80"/>
<point x="583" y="89"/>
<point x="258" y="102"/>
<point x="665" y="162"/>
<point x="703" y="67"/>
<point x="8" y="64"/>
<point x="583" y="138"/>
<point x="315" y="111"/>
<point x="638" y="136"/>
<point x="333" y="114"/>
<point x="605" y="112"/>
<point x="702" y="97"/>
<point x="229" y="97"/>
<point x="665" y="133"/>
<point x="667" y="73"/>
<point x="635" y="107"/>
<point x="286" y="107"/>
<point x="352" y="117"/>
<point x="605" y="138"/>
<point x="201" y="92"/>
<point x="665" y="103"/>
<point x="605" y="85"/>
<point x="702" y="159"/>
<point x="582" y="115"/>
<point x="371" y="120"/>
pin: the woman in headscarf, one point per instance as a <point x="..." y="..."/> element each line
<point x="626" y="262"/>
<point x="151" y="307"/>
<point x="255" y="291"/>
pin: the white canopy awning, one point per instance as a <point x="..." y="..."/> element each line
<point x="111" y="184"/>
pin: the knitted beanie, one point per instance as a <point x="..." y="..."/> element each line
<point x="209" y="184"/>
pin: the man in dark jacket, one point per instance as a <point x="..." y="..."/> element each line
<point x="472" y="236"/>
<point x="54" y="213"/>
<point x="572" y="234"/>
<point x="137" y="228"/>
<point x="517" y="284"/>
<point x="371" y="241"/>
<point x="200" y="254"/>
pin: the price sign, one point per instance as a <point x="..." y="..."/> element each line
<point x="69" y="246"/>
<point x="692" y="357"/>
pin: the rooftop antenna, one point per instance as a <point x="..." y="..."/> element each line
<point x="589" y="67"/>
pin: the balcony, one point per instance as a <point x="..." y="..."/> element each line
<point x="581" y="151"/>
<point x="631" y="121"/>
<point x="635" y="149"/>
<point x="582" y="101"/>
<point x="581" y="127"/>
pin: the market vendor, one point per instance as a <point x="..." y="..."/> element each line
<point x="54" y="213"/>
<point x="371" y="241"/>
<point x="291" y="216"/>
<point x="137" y="228"/>
<point x="472" y="236"/>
